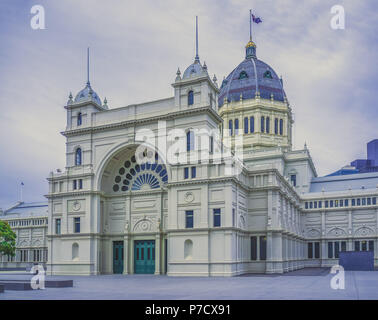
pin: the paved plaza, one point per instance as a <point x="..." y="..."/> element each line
<point x="302" y="284"/>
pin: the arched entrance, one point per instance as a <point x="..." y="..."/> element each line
<point x="133" y="185"/>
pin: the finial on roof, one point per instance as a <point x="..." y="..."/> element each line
<point x="105" y="102"/>
<point x="215" y="80"/>
<point x="70" y="101"/>
<point x="178" y="74"/>
<point x="204" y="66"/>
<point x="305" y="145"/>
<point x="88" y="83"/>
<point x="197" y="56"/>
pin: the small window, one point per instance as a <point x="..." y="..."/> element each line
<point x="243" y="75"/>
<point x="310" y="250"/>
<point x="190" y="98"/>
<point x="233" y="217"/>
<point x="236" y="126"/>
<point x="217" y="217"/>
<point x="268" y="74"/>
<point x="57" y="226"/>
<point x="194" y="173"/>
<point x="267" y="127"/>
<point x="74" y="185"/>
<point x="306" y="205"/>
<point x="211" y="142"/>
<point x="186" y="173"/>
<point x="79" y="119"/>
<point x="77" y="225"/>
<point x="245" y="125"/>
<point x="358" y="202"/>
<point x="353" y="202"/>
<point x="262" y="124"/>
<point x="330" y="250"/>
<point x="276" y="126"/>
<point x="190" y="141"/>
<point x="252" y="124"/>
<point x="281" y="127"/>
<point x="317" y="250"/>
<point x="78" y="157"/>
<point x="346" y="202"/>
<point x="189" y="219"/>
<point x="293" y="179"/>
<point x="357" y="246"/>
<point x="230" y="127"/>
<point x="80" y="183"/>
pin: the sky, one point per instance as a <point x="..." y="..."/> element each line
<point x="330" y="76"/>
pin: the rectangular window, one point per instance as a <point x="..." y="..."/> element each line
<point x="337" y="249"/>
<point x="371" y="245"/>
<point x="57" y="226"/>
<point x="330" y="250"/>
<point x="326" y="203"/>
<point x="317" y="250"/>
<point x="217" y="217"/>
<point x="306" y="205"/>
<point x="368" y="201"/>
<point x="233" y="217"/>
<point x="320" y="204"/>
<point x="189" y="219"/>
<point x="262" y="248"/>
<point x="356" y="245"/>
<point x="331" y="203"/>
<point x="311" y="205"/>
<point x="353" y="202"/>
<point x="253" y="248"/>
<point x="336" y="203"/>
<point x="346" y="202"/>
<point x="341" y="203"/>
<point x="77" y="225"/>
<point x="358" y="202"/>
<point x="186" y="173"/>
<point x="193" y="172"/>
<point x="364" y="201"/>
<point x="293" y="179"/>
<point x="315" y="204"/>
<point x="211" y="144"/>
<point x="75" y="184"/>
<point x="364" y="245"/>
<point x="374" y="201"/>
<point x="309" y="250"/>
<point x="80" y="183"/>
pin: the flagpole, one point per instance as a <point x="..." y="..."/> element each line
<point x="250" y="25"/>
<point x="21" y="191"/>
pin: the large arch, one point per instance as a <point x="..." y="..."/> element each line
<point x="120" y="167"/>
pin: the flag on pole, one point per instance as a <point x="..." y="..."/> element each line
<point x="256" y="19"/>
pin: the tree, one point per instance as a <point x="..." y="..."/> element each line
<point x="7" y="239"/>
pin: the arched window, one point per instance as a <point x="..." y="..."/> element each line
<point x="189" y="140"/>
<point x="267" y="127"/>
<point x="188" y="249"/>
<point x="78" y="158"/>
<point x="262" y="124"/>
<point x="230" y="127"/>
<point x="252" y="124"/>
<point x="236" y="126"/>
<point x="79" y="119"/>
<point x="75" y="251"/>
<point x="245" y="125"/>
<point x="190" y="98"/>
<point x="276" y="126"/>
<point x="281" y="127"/>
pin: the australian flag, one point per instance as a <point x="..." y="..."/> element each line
<point x="256" y="19"/>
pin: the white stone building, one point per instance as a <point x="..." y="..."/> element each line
<point x="260" y="211"/>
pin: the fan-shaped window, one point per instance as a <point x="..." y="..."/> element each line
<point x="188" y="249"/>
<point x="276" y="126"/>
<point x="78" y="157"/>
<point x="230" y="127"/>
<point x="75" y="251"/>
<point x="252" y="124"/>
<point x="262" y="124"/>
<point x="79" y="119"/>
<point x="190" y="141"/>
<point x="245" y="125"/>
<point x="190" y="98"/>
<point x="268" y="74"/>
<point x="267" y="125"/>
<point x="243" y="75"/>
<point x="281" y="127"/>
<point x="236" y="126"/>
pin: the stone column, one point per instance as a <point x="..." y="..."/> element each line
<point x="126" y="254"/>
<point x="157" y="254"/>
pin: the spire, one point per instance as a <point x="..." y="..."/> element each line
<point x="197" y="57"/>
<point x="88" y="83"/>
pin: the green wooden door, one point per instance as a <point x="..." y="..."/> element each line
<point x="117" y="256"/>
<point x="144" y="256"/>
